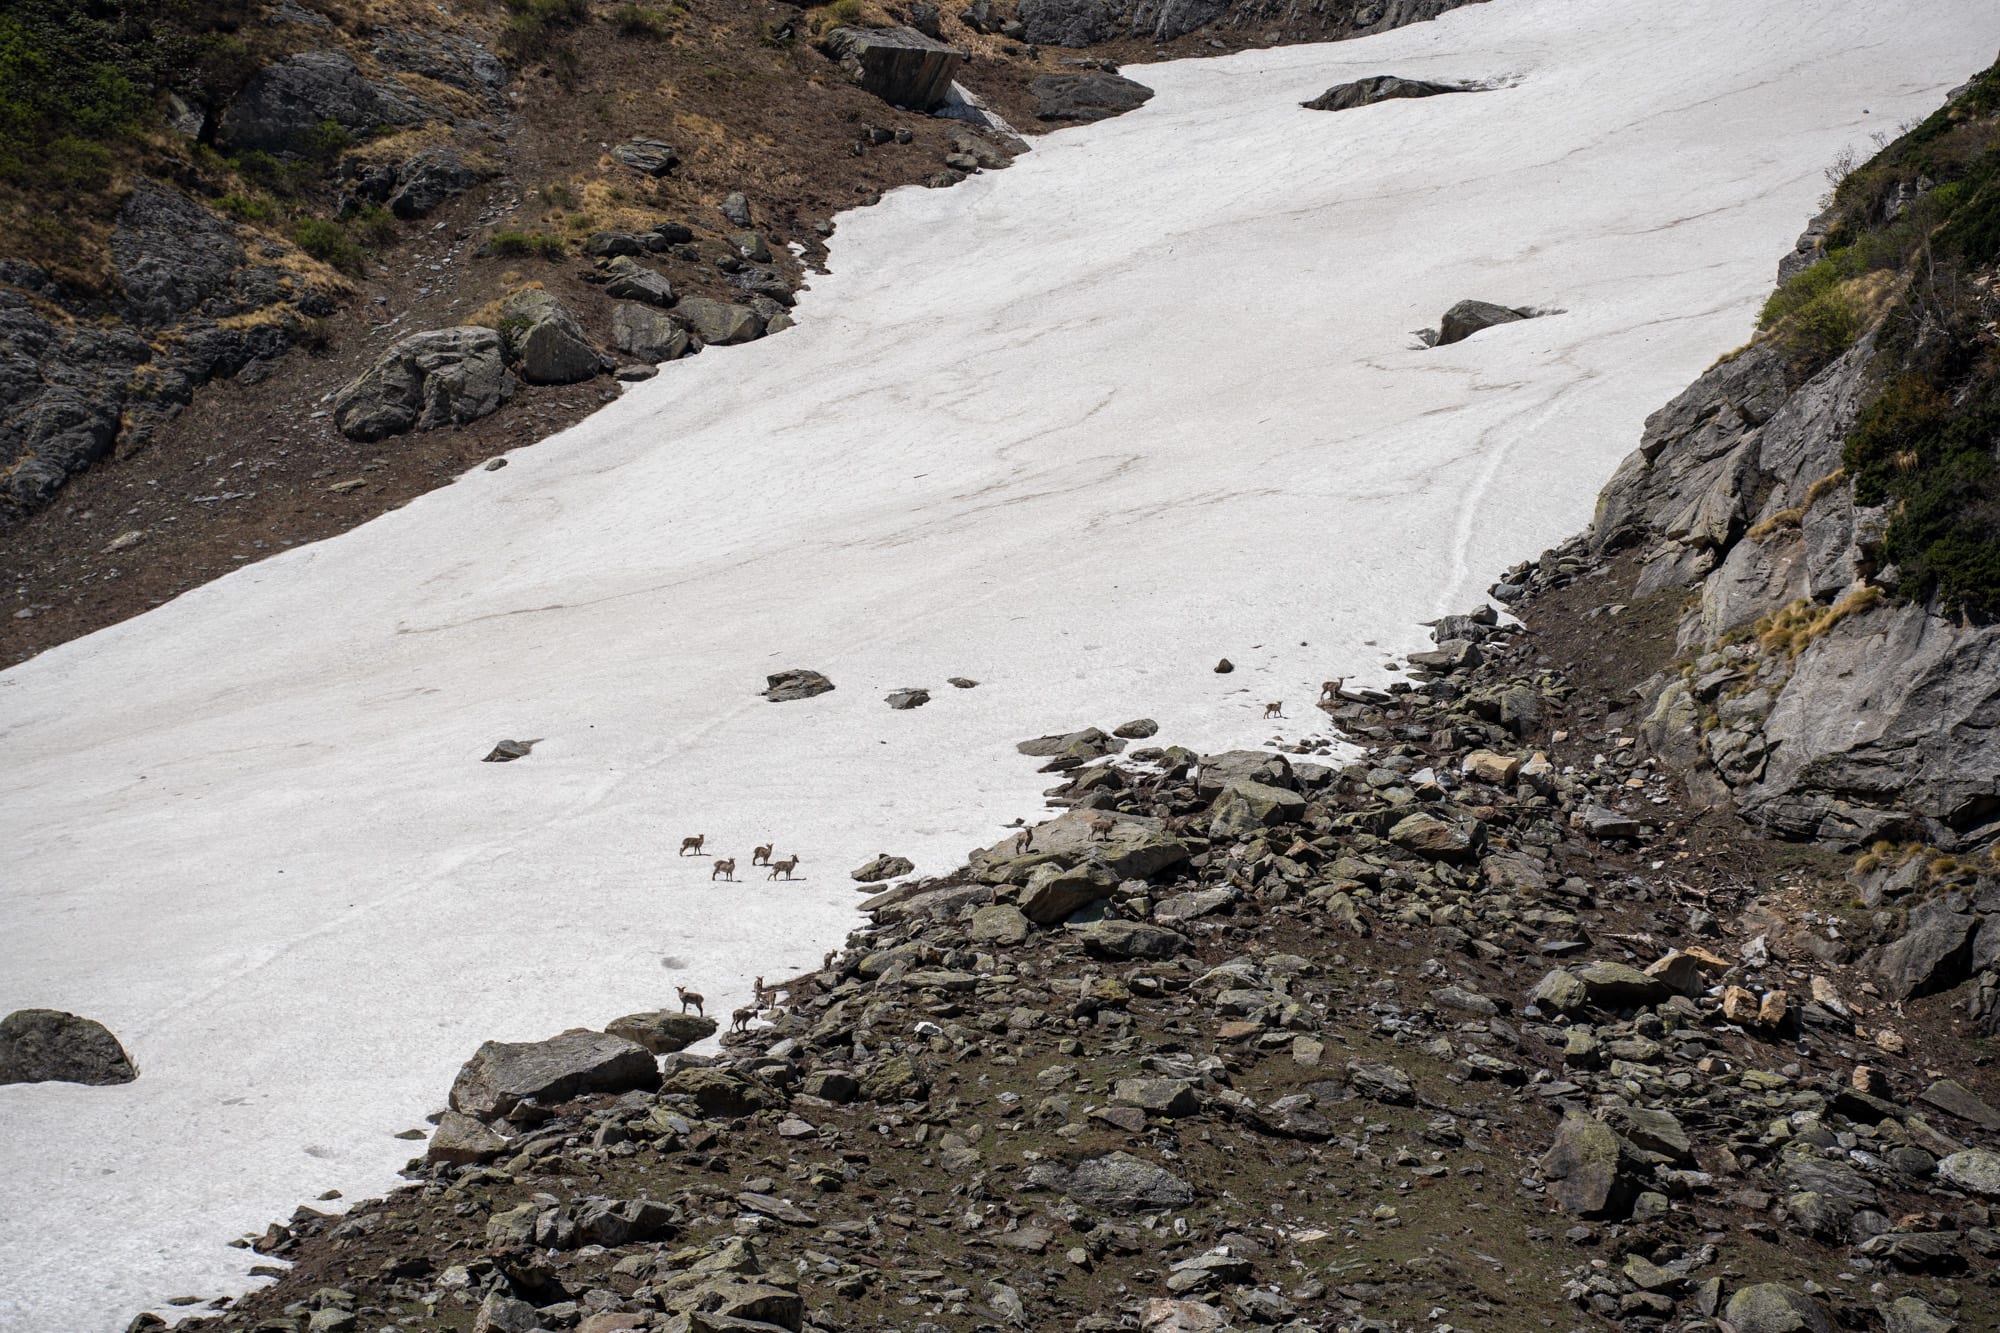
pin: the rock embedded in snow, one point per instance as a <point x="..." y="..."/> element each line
<point x="444" y="377"/>
<point x="883" y="866"/>
<point x="1224" y="667"/>
<point x="1381" y="88"/>
<point x="1090" y="743"/>
<point x="1469" y="317"/>
<point x="796" y="684"/>
<point x="654" y="157"/>
<point x="1086" y="97"/>
<point x="903" y="700"/>
<point x="899" y="65"/>
<point x="50" y="1046"/>
<point x="962" y="683"/>
<point x="506" y="752"/>
<point x="1138" y="729"/>
<point x="719" y="323"/>
<point x="503" y="1074"/>
<point x="647" y="334"/>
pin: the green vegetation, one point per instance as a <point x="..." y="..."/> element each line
<point x="529" y="244"/>
<point x="643" y="22"/>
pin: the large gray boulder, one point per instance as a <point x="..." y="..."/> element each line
<point x="171" y="255"/>
<point x="899" y="65"/>
<point x="1122" y="1183"/>
<point x="1131" y="847"/>
<point x="1584" y="1170"/>
<point x="1934" y="954"/>
<point x="663" y="1031"/>
<point x="1772" y="1307"/>
<point x="428" y="178"/>
<point x="1086" y="97"/>
<point x="1975" y="1170"/>
<point x="445" y="377"/>
<point x="1065" y="22"/>
<point x="719" y="323"/>
<point x="284" y="105"/>
<point x="546" y="340"/>
<point x="1130" y="939"/>
<point x="50" y="1046"/>
<point x="1381" y="88"/>
<point x="646" y="334"/>
<point x="654" y="157"/>
<point x="503" y="1074"/>
<point x="629" y="280"/>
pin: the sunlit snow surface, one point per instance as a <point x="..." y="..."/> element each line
<point x="1075" y="429"/>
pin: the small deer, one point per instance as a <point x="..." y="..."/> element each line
<point x="1275" y="710"/>
<point x="1024" y="841"/>
<point x="692" y="846"/>
<point x="724" y="869"/>
<point x="784" y="867"/>
<point x="1101" y="827"/>
<point x="739" y="1021"/>
<point x="757" y="989"/>
<point x="761" y="856"/>
<point x="689" y="997"/>
<point x="826" y="963"/>
<point x="1330" y="691"/>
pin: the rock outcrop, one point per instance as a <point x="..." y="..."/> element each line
<point x="50" y="1046"/>
<point x="284" y="106"/>
<point x="1086" y="97"/>
<point x="1381" y="88"/>
<point x="899" y="65"/>
<point x="445" y="377"/>
<point x="501" y="1074"/>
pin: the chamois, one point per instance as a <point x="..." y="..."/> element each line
<point x="725" y="869"/>
<point x="689" y="997"/>
<point x="784" y="867"/>
<point x="1275" y="710"/>
<point x="761" y="856"/>
<point x="693" y="844"/>
<point x="739" y="1021"/>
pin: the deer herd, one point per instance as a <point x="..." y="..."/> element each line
<point x="724" y="868"/>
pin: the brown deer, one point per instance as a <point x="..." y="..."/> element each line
<point x="1275" y="710"/>
<point x="1101" y="827"/>
<point x="826" y="963"/>
<point x="693" y="845"/>
<point x="739" y="1021"/>
<point x="724" y="869"/>
<point x="1024" y="841"/>
<point x="689" y="997"/>
<point x="784" y="867"/>
<point x="1330" y="690"/>
<point x="761" y="856"/>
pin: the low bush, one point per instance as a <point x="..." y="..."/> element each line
<point x="329" y="243"/>
<point x="525" y="244"/>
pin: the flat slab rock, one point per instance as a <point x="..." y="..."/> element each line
<point x="50" y="1046"/>
<point x="899" y="65"/>
<point x="1086" y="97"/>
<point x="1380" y="88"/>
<point x="796" y="684"/>
<point x="503" y="1074"/>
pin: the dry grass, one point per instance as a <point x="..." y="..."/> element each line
<point x="1791" y="629"/>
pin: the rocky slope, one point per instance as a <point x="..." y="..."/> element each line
<point x="317" y="182"/>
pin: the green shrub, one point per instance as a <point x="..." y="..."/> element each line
<point x="70" y="163"/>
<point x="374" y="227"/>
<point x="247" y="207"/>
<point x="636" y="21"/>
<point x="329" y="243"/>
<point x="525" y="244"/>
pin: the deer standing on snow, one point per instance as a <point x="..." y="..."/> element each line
<point x="784" y="867"/>
<point x="1275" y="710"/>
<point x="761" y="856"/>
<point x="725" y="869"/>
<point x="1329" y="692"/>
<point x="693" y="845"/>
<point x="689" y="997"/>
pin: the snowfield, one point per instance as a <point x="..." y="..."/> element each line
<point x="1075" y="430"/>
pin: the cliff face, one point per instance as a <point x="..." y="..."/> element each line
<point x="1824" y="689"/>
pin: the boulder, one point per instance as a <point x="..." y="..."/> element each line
<point x="283" y="106"/>
<point x="464" y="1141"/>
<point x="719" y="323"/>
<point x="883" y="866"/>
<point x="1086" y="97"/>
<point x="1065" y="22"/>
<point x="50" y="1046"/>
<point x="1561" y="992"/>
<point x="1219" y="771"/>
<point x="171" y="255"/>
<point x="1130" y="939"/>
<point x="1582" y="1170"/>
<point x="1138" y="729"/>
<point x="1133" y="847"/>
<point x="717" y="1092"/>
<point x="904" y="700"/>
<point x="445" y="377"/>
<point x="998" y="923"/>
<point x="1772" y="1307"/>
<point x="1170" y="1097"/>
<point x="1090" y="743"/>
<point x="663" y="1031"/>
<point x="1975" y="1170"/>
<point x="1469" y="317"/>
<point x="647" y="334"/>
<point x="1615" y="986"/>
<point x="501" y="1074"/>
<point x="653" y="157"/>
<point x="1381" y="88"/>
<point x="1122" y="1183"/>
<point x="1383" y="1083"/>
<point x="546" y="340"/>
<point x="628" y="280"/>
<point x="787" y="686"/>
<point x="1244" y="807"/>
<point x="1439" y="839"/>
<point x="1934" y="954"/>
<point x="428" y="178"/>
<point x="1053" y="893"/>
<point x="899" y="65"/>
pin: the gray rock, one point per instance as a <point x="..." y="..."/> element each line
<point x="904" y="700"/>
<point x="1975" y="1170"/>
<point x="1090" y="743"/>
<point x="1053" y="894"/>
<point x="1244" y="807"/>
<point x="446" y="377"/>
<point x="1122" y="1183"/>
<point x="1065" y="22"/>
<point x="500" y="1313"/>
<point x="1381" y="88"/>
<point x="1221" y="771"/>
<point x="1439" y="839"/>
<point x="654" y="157"/>
<point x="50" y="1046"/>
<point x="1383" y="1083"/>
<point x="799" y="683"/>
<point x="1616" y="986"/>
<point x="1913" y="1314"/>
<point x="899" y="65"/>
<point x="648" y="334"/>
<point x="1138" y="729"/>
<point x="546" y="340"/>
<point x="735" y="209"/>
<point x="1606" y="824"/>
<point x="448" y="57"/>
<point x="663" y="1031"/>
<point x="1956" y="1099"/>
<point x="1772" y="1307"/>
<point x="1164" y="20"/>
<point x="284" y="105"/>
<point x="171" y="255"/>
<point x="999" y="923"/>
<point x="719" y="323"/>
<point x="501" y="1075"/>
<point x="1131" y="847"/>
<point x="428" y="178"/>
<point x="1934" y="954"/>
<point x="1086" y="97"/>
<point x="1170" y="1097"/>
<point x="462" y="1140"/>
<point x="883" y="866"/>
<point x="628" y="280"/>
<point x="1469" y="317"/>
<point x="611" y="244"/>
<point x="1583" y="1170"/>
<point x="1130" y="939"/>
